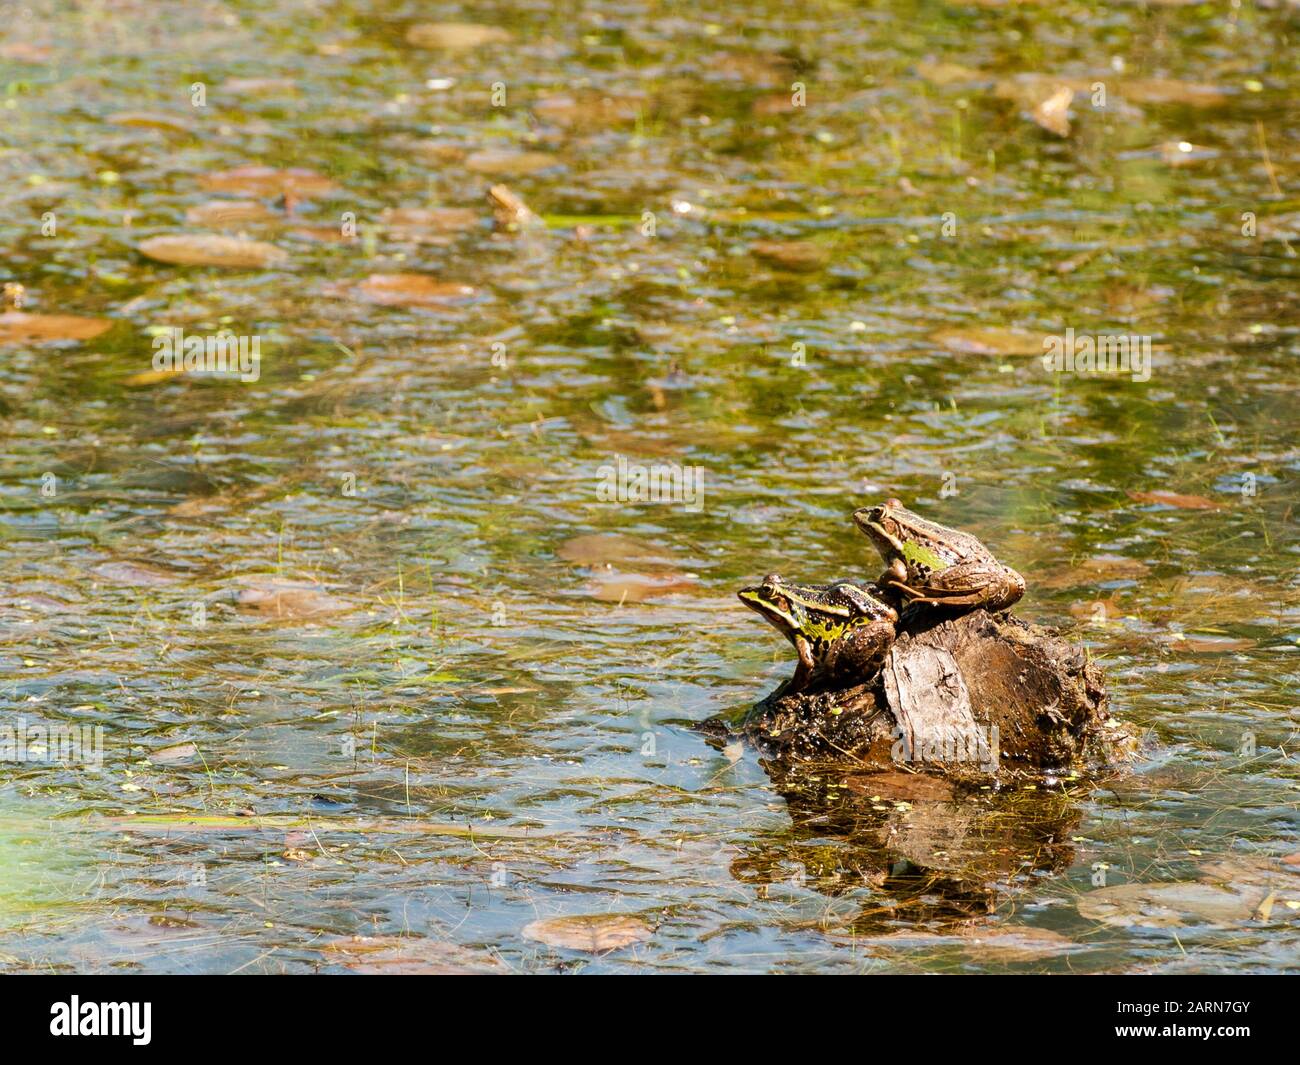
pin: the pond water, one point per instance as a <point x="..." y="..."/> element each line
<point x="373" y="651"/>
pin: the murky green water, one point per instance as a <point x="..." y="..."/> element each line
<point x="466" y="721"/>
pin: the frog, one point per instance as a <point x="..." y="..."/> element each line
<point x="930" y="563"/>
<point x="841" y="631"/>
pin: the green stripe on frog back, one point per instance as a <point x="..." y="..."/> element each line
<point x="922" y="556"/>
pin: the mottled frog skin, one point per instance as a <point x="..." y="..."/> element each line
<point x="930" y="563"/>
<point x="841" y="631"/>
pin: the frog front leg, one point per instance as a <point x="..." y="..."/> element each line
<point x="857" y="655"/>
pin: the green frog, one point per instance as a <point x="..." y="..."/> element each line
<point x="931" y="563"/>
<point x="841" y="631"/>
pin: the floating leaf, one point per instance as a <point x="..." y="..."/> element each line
<point x="1172" y="91"/>
<point x="408" y="955"/>
<point x="18" y="327"/>
<point x="1053" y="112"/>
<point x="1173" y="499"/>
<point x="428" y="225"/>
<point x="614" y="587"/>
<point x="180" y="752"/>
<point x="228" y="213"/>
<point x="149" y="120"/>
<point x="595" y="549"/>
<point x="283" y="599"/>
<point x="1096" y="570"/>
<point x="405" y="290"/>
<point x="267" y="181"/>
<point x="256" y="86"/>
<point x="977" y="340"/>
<point x="792" y="254"/>
<point x="945" y="73"/>
<point x="455" y="35"/>
<point x="137" y="573"/>
<point x="592" y="933"/>
<point x="1170" y="904"/>
<point x="498" y="162"/>
<point x="588" y="110"/>
<point x="26" y="52"/>
<point x="209" y="249"/>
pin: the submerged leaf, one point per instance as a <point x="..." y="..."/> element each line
<point x="428" y="225"/>
<point x="455" y="35"/>
<point x="228" y="213"/>
<point x="1169" y="904"/>
<point x="977" y="340"/>
<point x="267" y="181"/>
<point x="791" y="254"/>
<point x="406" y="290"/>
<point x="593" y="933"/>
<point x="18" y="327"/>
<point x="408" y="955"/>
<point x="283" y="599"/>
<point x="594" y="549"/>
<point x="498" y="162"/>
<point x="209" y="249"/>
<point x="180" y="752"/>
<point x="137" y="573"/>
<point x="1173" y="499"/>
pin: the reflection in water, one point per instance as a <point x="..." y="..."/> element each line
<point x="911" y="848"/>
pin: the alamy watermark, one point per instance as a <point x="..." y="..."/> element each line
<point x="632" y="482"/>
<point x="978" y="744"/>
<point x="1099" y="354"/>
<point x="21" y="742"/>
<point x="219" y="353"/>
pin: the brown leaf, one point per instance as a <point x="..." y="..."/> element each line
<point x="588" y="110"/>
<point x="428" y="225"/>
<point x="594" y="549"/>
<point x="500" y="162"/>
<point x="1172" y="91"/>
<point x="792" y="254"/>
<point x="1053" y="112"/>
<point x="18" y="327"/>
<point x="408" y="290"/>
<point x="256" y="86"/>
<point x="1168" y="905"/>
<point x="267" y="181"/>
<point x="615" y="587"/>
<point x="148" y="120"/>
<point x="592" y="933"/>
<point x="137" y="573"/>
<point x="180" y="752"/>
<point x="944" y="73"/>
<point x="1173" y="499"/>
<point x="455" y="35"/>
<point x="228" y="213"/>
<point x="1094" y="571"/>
<point x="284" y="599"/>
<point x="25" y="52"/>
<point x="976" y="340"/>
<point x="409" y="955"/>
<point x="209" y="249"/>
<point x="1097" y="610"/>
